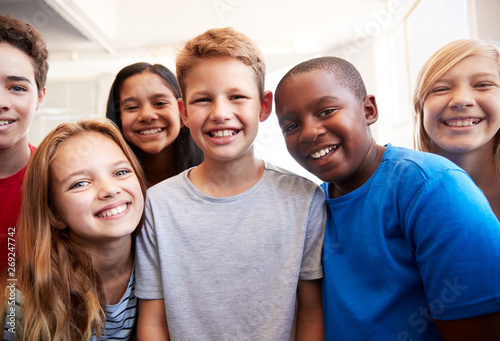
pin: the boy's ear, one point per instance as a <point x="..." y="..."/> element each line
<point x="370" y="109"/>
<point x="41" y="96"/>
<point x="266" y="106"/>
<point x="183" y="111"/>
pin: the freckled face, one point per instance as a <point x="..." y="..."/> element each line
<point x="324" y="125"/>
<point x="149" y="112"/>
<point x="462" y="109"/>
<point x="96" y="192"/>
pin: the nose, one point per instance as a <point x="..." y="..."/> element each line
<point x="108" y="189"/>
<point x="311" y="131"/>
<point x="220" y="111"/>
<point x="147" y="114"/>
<point x="4" y="103"/>
<point x="462" y="98"/>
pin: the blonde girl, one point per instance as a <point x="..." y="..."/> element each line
<point x="84" y="203"/>
<point x="456" y="109"/>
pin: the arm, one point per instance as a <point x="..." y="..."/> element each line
<point x="484" y="327"/>
<point x="309" y="311"/>
<point x="152" y="321"/>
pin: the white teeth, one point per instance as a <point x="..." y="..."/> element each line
<point x="150" y="131"/>
<point x="223" y="133"/>
<point x="113" y="211"/>
<point x="2" y="123"/>
<point x="322" y="152"/>
<point x="462" y="123"/>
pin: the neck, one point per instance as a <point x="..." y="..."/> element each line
<point x="224" y="179"/>
<point x="479" y="163"/>
<point x="113" y="262"/>
<point x="481" y="167"/>
<point x="14" y="158"/>
<point x="112" y="258"/>
<point x="373" y="157"/>
<point x="158" y="167"/>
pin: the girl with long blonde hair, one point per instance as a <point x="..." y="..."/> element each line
<point x="83" y="205"/>
<point x="456" y="108"/>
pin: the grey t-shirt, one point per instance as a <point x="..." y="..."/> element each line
<point x="228" y="268"/>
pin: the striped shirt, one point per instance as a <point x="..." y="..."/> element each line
<point x="120" y="318"/>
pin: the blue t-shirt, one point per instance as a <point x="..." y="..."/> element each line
<point x="417" y="241"/>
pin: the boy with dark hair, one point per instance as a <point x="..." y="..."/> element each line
<point x="23" y="72"/>
<point x="412" y="248"/>
<point x="230" y="245"/>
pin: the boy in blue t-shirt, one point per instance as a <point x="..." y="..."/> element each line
<point x="412" y="248"/>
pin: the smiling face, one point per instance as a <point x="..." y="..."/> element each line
<point x="95" y="190"/>
<point x="326" y="127"/>
<point x="149" y="112"/>
<point x="223" y="107"/>
<point x="462" y="109"/>
<point x="19" y="96"/>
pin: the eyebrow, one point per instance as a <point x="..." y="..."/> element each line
<point x="155" y="96"/>
<point x="320" y="100"/>
<point x="474" y="75"/>
<point x="19" y="79"/>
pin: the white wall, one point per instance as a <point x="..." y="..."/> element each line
<point x="389" y="49"/>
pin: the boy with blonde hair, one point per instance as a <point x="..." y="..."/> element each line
<point x="230" y="245"/>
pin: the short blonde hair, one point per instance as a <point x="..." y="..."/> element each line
<point x="436" y="66"/>
<point x="217" y="43"/>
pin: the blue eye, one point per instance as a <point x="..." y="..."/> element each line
<point x="79" y="184"/>
<point x="18" y="88"/>
<point x="122" y="172"/>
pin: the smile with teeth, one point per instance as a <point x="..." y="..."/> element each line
<point x="4" y="122"/>
<point x="223" y="133"/>
<point x="112" y="212"/>
<point x="150" y="131"/>
<point x="462" y="123"/>
<point x="323" y="152"/>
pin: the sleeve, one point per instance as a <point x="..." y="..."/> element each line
<point x="148" y="269"/>
<point x="311" y="267"/>
<point x="456" y="240"/>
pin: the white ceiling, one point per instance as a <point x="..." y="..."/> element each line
<point x="91" y="37"/>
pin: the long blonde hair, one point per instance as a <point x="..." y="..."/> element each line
<point x="62" y="296"/>
<point x="434" y="68"/>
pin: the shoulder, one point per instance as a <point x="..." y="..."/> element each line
<point x="290" y="186"/>
<point x="426" y="164"/>
<point x="169" y="184"/>
<point x="285" y="179"/>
